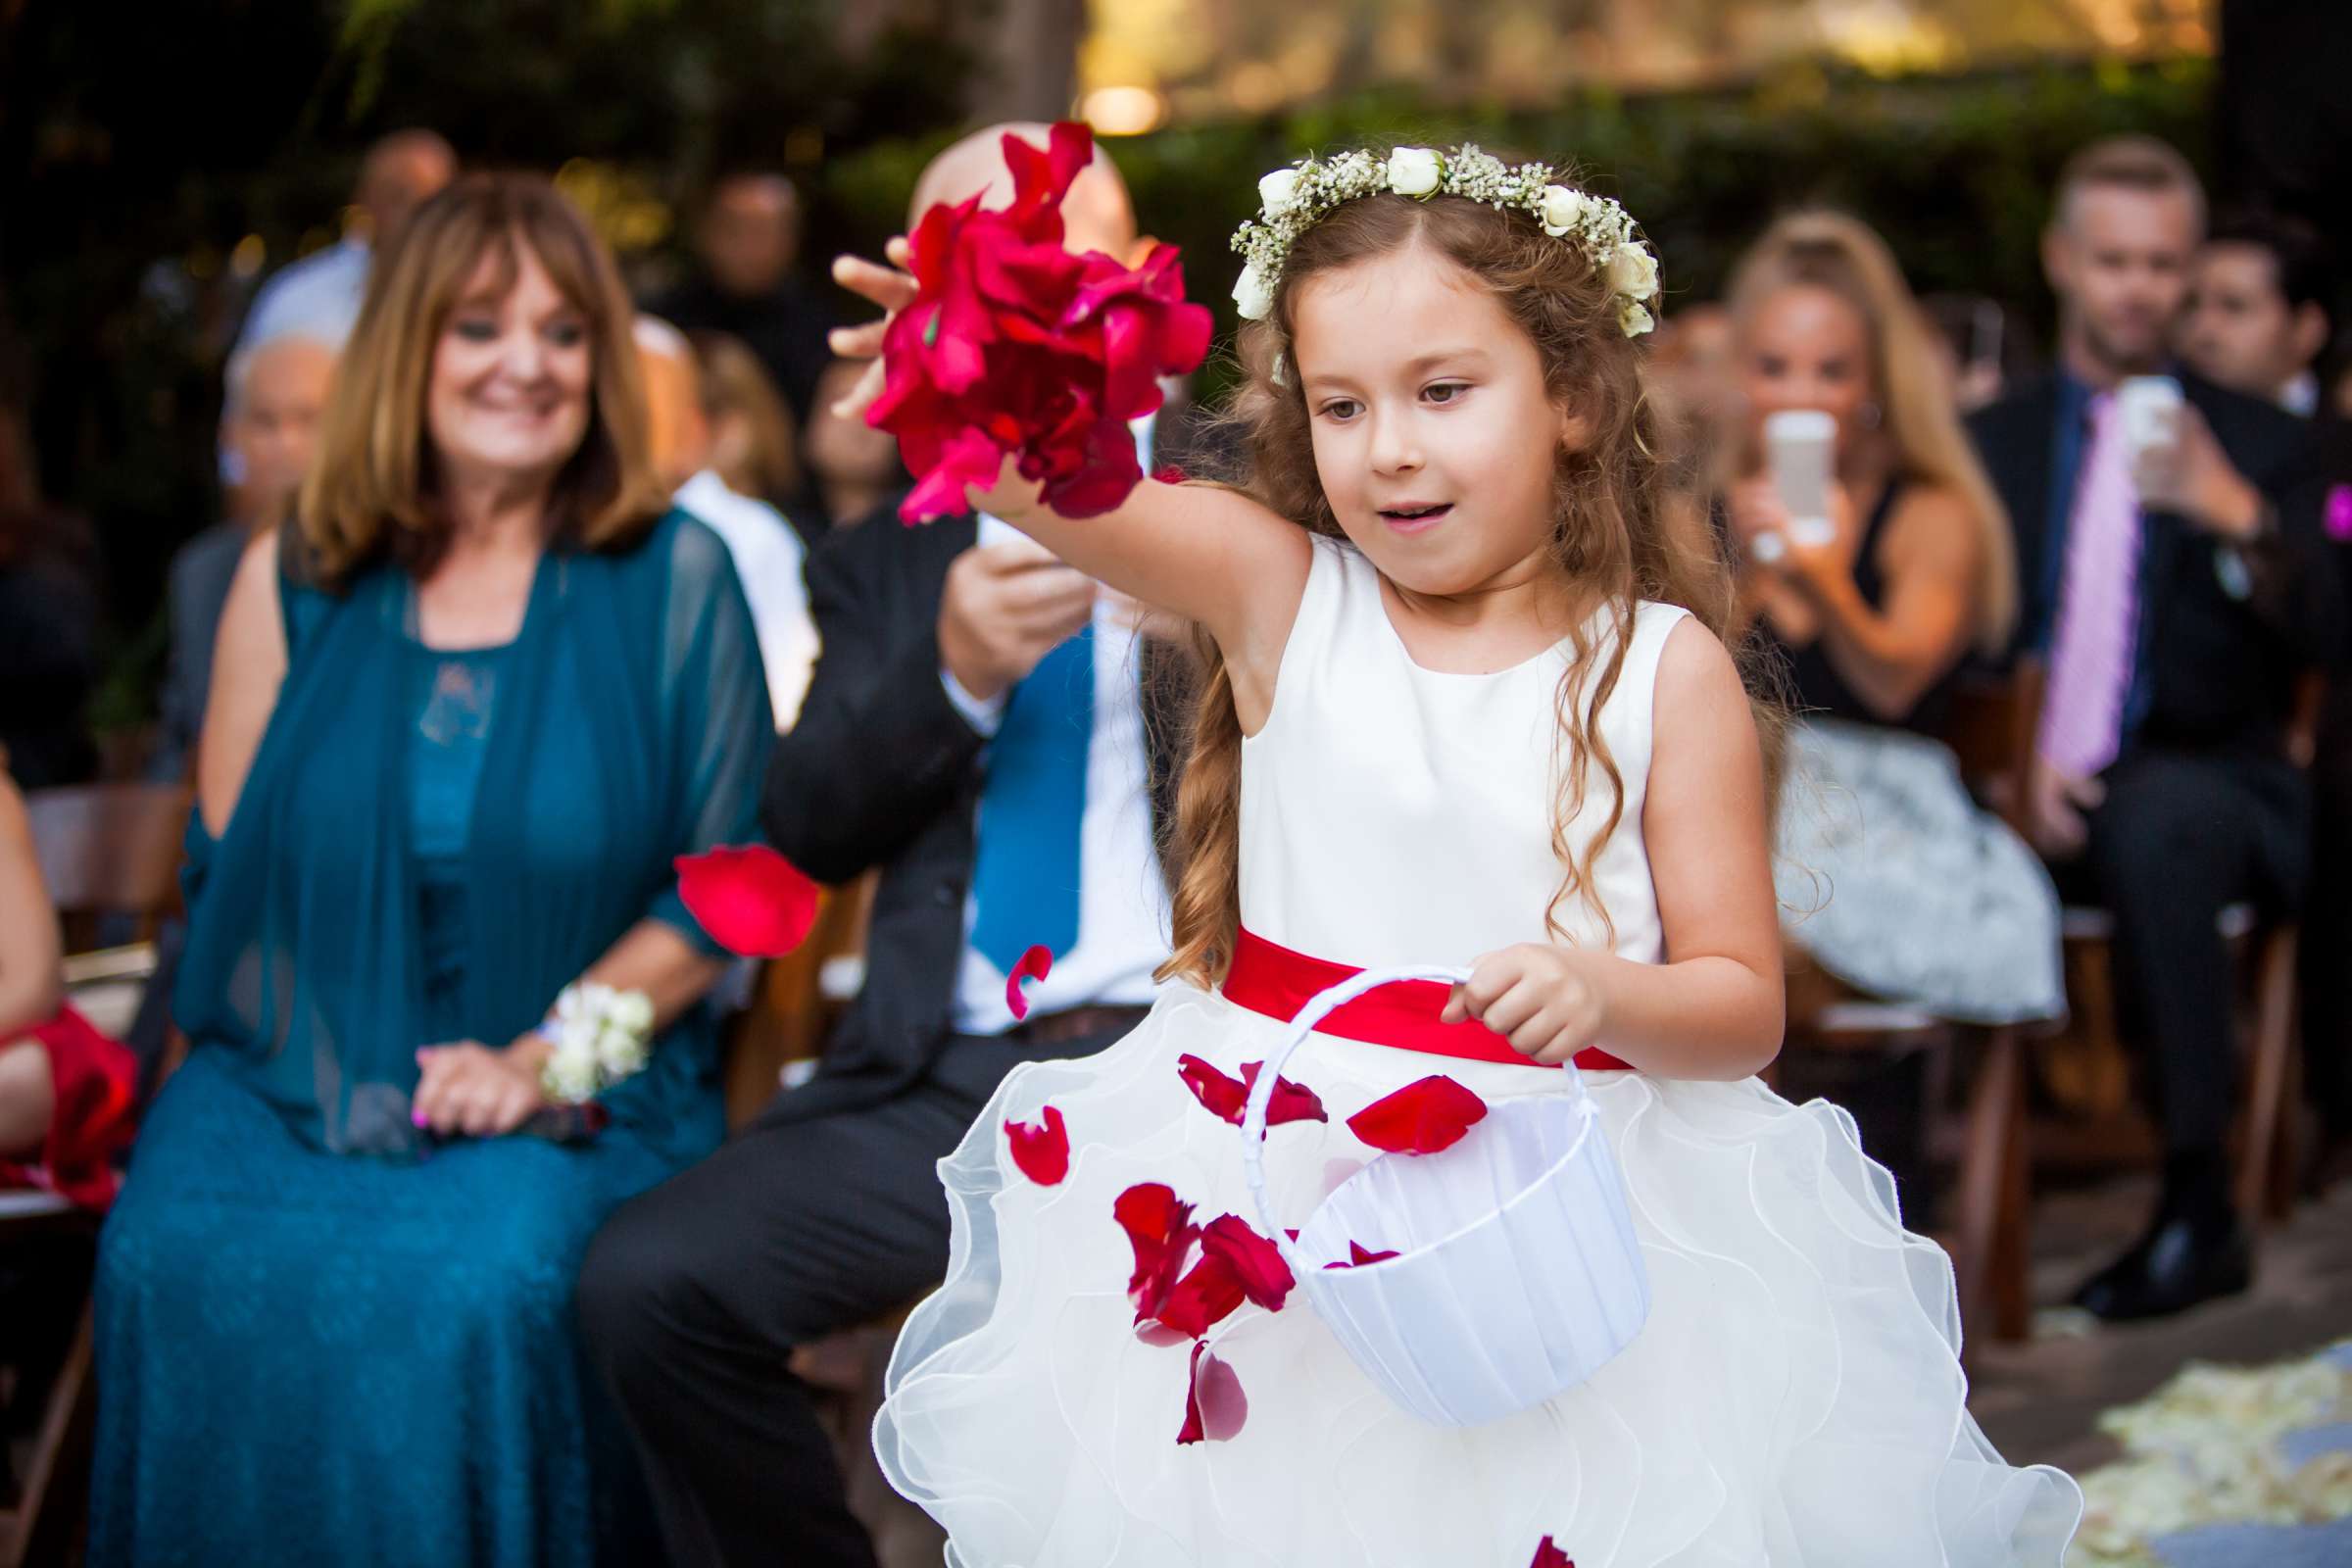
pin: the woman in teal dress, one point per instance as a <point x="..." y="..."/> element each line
<point x="465" y="716"/>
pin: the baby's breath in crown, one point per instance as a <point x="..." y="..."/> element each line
<point x="1294" y="200"/>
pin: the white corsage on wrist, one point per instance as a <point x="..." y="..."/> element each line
<point x="1293" y="200"/>
<point x="600" y="1037"/>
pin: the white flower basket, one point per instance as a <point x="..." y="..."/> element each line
<point x="1517" y="1275"/>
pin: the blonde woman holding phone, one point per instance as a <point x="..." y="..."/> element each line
<point x="1874" y="557"/>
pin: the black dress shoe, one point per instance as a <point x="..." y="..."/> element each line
<point x="2179" y="1263"/>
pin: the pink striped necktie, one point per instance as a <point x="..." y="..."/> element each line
<point x="2091" y="654"/>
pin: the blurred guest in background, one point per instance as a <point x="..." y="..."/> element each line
<point x="856" y="466"/>
<point x="462" y="721"/>
<point x="1691" y="367"/>
<point x="747" y="242"/>
<point x="65" y="1089"/>
<point x="2258" y="320"/>
<point x="2258" y="311"/>
<point x="275" y="393"/>
<point x="2177" y="584"/>
<point x="320" y="294"/>
<point x="48" y="621"/>
<point x="1873" y="612"/>
<point x="753" y="445"/>
<point x="769" y="554"/>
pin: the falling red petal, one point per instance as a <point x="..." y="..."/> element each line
<point x="1421" y="1119"/>
<point x="1159" y="1228"/>
<point x="1209" y="1293"/>
<point x="1291" y="1102"/>
<point x="1224" y="1097"/>
<point x="1548" y="1555"/>
<point x="1257" y="1264"/>
<point x="750" y="900"/>
<point x="1041" y="1152"/>
<point x="1214" y="1406"/>
<point x="1034" y="965"/>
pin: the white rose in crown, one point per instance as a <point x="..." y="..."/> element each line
<point x="1251" y="295"/>
<point x="1414" y="171"/>
<point x="1634" y="273"/>
<point x="1563" y="210"/>
<point x="1274" y="191"/>
<point x="1634" y="318"/>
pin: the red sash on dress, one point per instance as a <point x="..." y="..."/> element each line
<point x="1270" y="979"/>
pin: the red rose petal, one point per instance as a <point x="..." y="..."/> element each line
<point x="1421" y="1119"/>
<point x="1214" y="1406"/>
<point x="1043" y="1153"/>
<point x="1209" y="1293"/>
<point x="1359" y="1256"/>
<point x="1548" y="1555"/>
<point x="1158" y="1226"/>
<point x="1034" y="965"/>
<point x="751" y="901"/>
<point x="1169" y="473"/>
<point x="1256" y="1262"/>
<point x="1223" y="1097"/>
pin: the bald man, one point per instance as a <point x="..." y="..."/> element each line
<point x="320" y="295"/>
<point x="976" y="734"/>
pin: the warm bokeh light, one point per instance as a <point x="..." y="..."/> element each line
<point x="1123" y="111"/>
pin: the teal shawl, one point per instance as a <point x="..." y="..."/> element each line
<point x="632" y="726"/>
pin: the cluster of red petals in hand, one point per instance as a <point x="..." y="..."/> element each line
<point x="1224" y="1097"/>
<point x="1034" y="965"/>
<point x="1040" y="1149"/>
<point x="1014" y="347"/>
<point x="751" y="900"/>
<point x="1421" y="1119"/>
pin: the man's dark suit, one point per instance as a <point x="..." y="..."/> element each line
<point x="2202" y="806"/>
<point x="826" y="1212"/>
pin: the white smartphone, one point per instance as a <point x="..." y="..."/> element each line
<point x="1798" y="446"/>
<point x="2151" y="407"/>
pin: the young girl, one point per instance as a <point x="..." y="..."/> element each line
<point x="1465" y="704"/>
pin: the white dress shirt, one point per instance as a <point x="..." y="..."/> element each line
<point x="770" y="560"/>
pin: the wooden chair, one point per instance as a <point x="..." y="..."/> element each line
<point x="792" y="1008"/>
<point x="106" y="850"/>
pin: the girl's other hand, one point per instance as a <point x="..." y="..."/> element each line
<point x="1541" y="999"/>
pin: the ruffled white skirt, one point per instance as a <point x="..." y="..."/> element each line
<point x="1796" y="1396"/>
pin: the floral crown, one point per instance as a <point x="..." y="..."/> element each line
<point x="1295" y="199"/>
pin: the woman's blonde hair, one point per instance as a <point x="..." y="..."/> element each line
<point x="1845" y="258"/>
<point x="370" y="492"/>
<point x="1612" y="534"/>
<point x="734" y="383"/>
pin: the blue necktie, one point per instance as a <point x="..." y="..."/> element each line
<point x="1025" y="871"/>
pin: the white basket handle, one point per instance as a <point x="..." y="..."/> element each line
<point x="1261" y="1092"/>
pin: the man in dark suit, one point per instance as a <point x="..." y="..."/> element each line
<point x="983" y="728"/>
<point x="2176" y="588"/>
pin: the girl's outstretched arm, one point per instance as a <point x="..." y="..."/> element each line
<point x="1205" y="553"/>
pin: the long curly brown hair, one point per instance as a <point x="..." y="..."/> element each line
<point x="1613" y="534"/>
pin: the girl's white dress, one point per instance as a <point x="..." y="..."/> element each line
<point x="1796" y="1396"/>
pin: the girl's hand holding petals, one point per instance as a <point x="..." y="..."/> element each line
<point x="1012" y="498"/>
<point x="1541" y="999"/>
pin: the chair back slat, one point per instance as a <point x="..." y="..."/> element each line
<point x="110" y="848"/>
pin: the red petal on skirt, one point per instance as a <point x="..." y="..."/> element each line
<point x="1214" y="1406"/>
<point x="751" y="900"/>
<point x="1205" y="1296"/>
<point x="1291" y="1102"/>
<point x="1359" y="1256"/>
<point x="1421" y="1119"/>
<point x="1043" y="1153"/>
<point x="1548" y="1555"/>
<point x="1256" y="1262"/>
<point x="1158" y="1226"/>
<point x="1034" y="965"/>
<point x="1224" y="1097"/>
